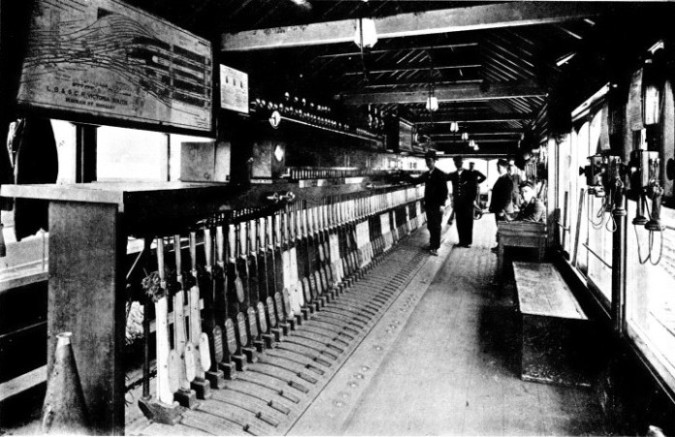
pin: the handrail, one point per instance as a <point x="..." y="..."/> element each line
<point x="596" y="255"/>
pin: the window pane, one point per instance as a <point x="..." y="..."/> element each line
<point x="130" y="154"/>
<point x="650" y="291"/>
<point x="600" y="226"/>
<point x="579" y="155"/>
<point x="564" y="169"/>
<point x="175" y="154"/>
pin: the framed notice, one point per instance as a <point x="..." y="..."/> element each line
<point x="405" y="136"/>
<point x="105" y="59"/>
<point x="233" y="89"/>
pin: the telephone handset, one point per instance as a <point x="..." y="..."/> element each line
<point x="614" y="184"/>
<point x="595" y="174"/>
<point x="605" y="179"/>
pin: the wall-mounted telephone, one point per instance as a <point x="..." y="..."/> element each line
<point x="605" y="179"/>
<point x="594" y="172"/>
<point x="613" y="181"/>
<point x="645" y="183"/>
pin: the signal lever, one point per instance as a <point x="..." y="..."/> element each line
<point x="277" y="197"/>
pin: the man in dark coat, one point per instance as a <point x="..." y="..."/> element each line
<point x="435" y="196"/>
<point x="532" y="209"/>
<point x="464" y="189"/>
<point x="502" y="194"/>
<point x="516" y="179"/>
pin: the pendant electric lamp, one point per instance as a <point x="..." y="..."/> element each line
<point x="432" y="103"/>
<point x="366" y="34"/>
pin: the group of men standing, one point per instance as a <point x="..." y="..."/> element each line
<point x="465" y="184"/>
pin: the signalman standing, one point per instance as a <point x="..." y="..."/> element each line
<point x="435" y="196"/>
<point x="464" y="190"/>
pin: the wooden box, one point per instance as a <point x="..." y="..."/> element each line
<point x="555" y="332"/>
<point x="205" y="161"/>
<point x="521" y="234"/>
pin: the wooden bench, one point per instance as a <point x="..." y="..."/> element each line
<point x="554" y="328"/>
<point x="521" y="234"/>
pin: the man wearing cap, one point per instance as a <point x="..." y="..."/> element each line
<point x="435" y="196"/>
<point x="464" y="190"/>
<point x="516" y="179"/>
<point x="502" y="193"/>
<point x="532" y="209"/>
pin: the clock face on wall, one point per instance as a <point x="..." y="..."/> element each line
<point x="275" y="119"/>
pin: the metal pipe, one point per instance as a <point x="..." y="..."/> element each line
<point x="619" y="256"/>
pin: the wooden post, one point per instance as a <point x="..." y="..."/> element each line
<point x="86" y="297"/>
<point x="85" y="152"/>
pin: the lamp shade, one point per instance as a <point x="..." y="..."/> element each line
<point x="432" y="103"/>
<point x="365" y="33"/>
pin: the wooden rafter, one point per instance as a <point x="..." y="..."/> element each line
<point x="497" y="118"/>
<point x="480" y="17"/>
<point x="400" y="49"/>
<point x="460" y="93"/>
<point x="378" y="70"/>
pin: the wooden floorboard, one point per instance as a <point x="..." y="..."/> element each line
<point x="456" y="367"/>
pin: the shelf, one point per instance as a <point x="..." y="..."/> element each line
<point x="143" y="205"/>
<point x="370" y="138"/>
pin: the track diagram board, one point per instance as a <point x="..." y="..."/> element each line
<point x="105" y="58"/>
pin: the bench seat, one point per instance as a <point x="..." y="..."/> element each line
<point x="555" y="330"/>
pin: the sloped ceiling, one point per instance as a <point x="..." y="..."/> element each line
<point x="495" y="77"/>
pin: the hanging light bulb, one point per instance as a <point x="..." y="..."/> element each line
<point x="432" y="103"/>
<point x="465" y="136"/>
<point x="365" y="35"/>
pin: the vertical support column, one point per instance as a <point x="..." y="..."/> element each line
<point x="619" y="267"/>
<point x="166" y="171"/>
<point x="85" y="153"/>
<point x="86" y="254"/>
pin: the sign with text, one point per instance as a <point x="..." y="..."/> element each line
<point x="233" y="89"/>
<point x="106" y="59"/>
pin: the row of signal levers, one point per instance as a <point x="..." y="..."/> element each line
<point x="259" y="276"/>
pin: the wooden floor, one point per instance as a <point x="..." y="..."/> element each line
<point x="455" y="369"/>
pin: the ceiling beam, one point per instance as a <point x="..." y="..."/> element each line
<point x="458" y="45"/>
<point x="486" y="140"/>
<point x="459" y="93"/>
<point x="480" y="17"/>
<point x="497" y="118"/>
<point x="476" y="135"/>
<point x="424" y="84"/>
<point x="377" y="70"/>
